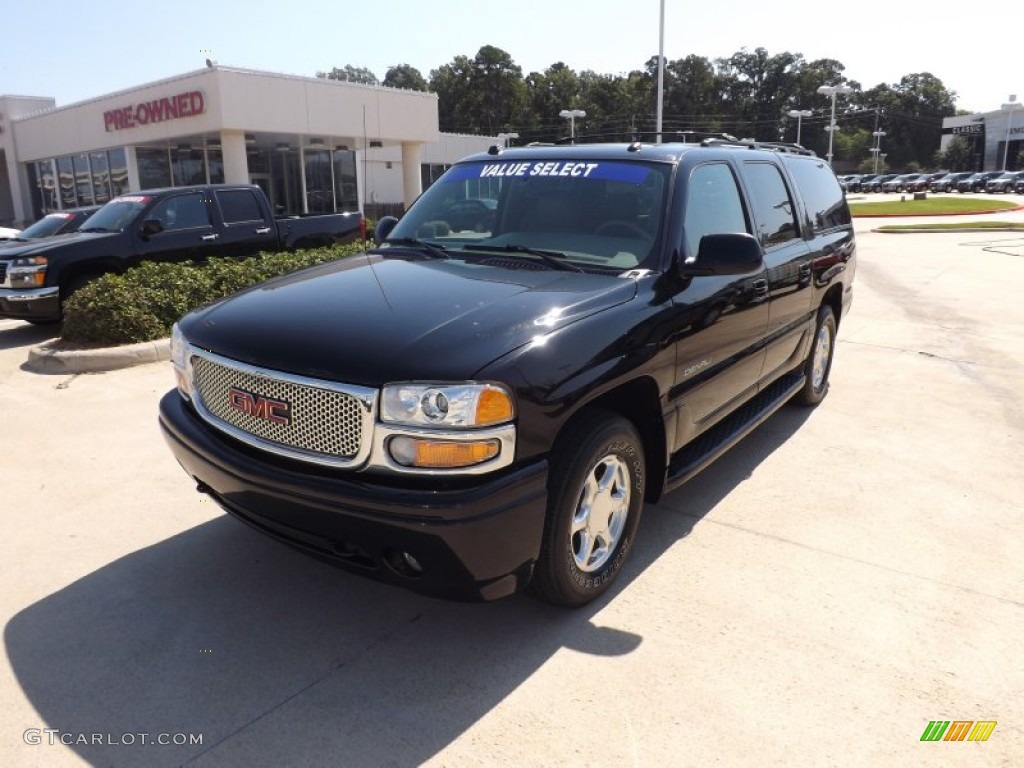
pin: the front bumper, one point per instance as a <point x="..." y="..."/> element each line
<point x="31" y="304"/>
<point x="477" y="540"/>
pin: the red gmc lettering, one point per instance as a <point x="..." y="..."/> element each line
<point x="259" y="407"/>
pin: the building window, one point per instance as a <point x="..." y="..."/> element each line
<point x="346" y="191"/>
<point x="188" y="166"/>
<point x="66" y="174"/>
<point x="319" y="189"/>
<point x="215" y="164"/>
<point x="83" y="179"/>
<point x="100" y="177"/>
<point x="431" y="172"/>
<point x="117" y="162"/>
<point x="154" y="168"/>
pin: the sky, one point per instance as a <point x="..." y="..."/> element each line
<point x="76" y="52"/>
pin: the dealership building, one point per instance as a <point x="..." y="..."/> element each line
<point x="987" y="134"/>
<point x="313" y="145"/>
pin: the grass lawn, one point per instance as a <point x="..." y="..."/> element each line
<point x="933" y="206"/>
<point x="1002" y="226"/>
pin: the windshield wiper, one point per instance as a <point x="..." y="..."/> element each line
<point x="96" y="229"/>
<point x="428" y="249"/>
<point x="554" y="259"/>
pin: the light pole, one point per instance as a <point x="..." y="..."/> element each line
<point x="504" y="138"/>
<point x="572" y="114"/>
<point x="832" y="90"/>
<point x="799" y="114"/>
<point x="1009" y="107"/>
<point x="875" y="150"/>
<point x="661" y="67"/>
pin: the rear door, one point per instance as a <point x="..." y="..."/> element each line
<point x="246" y="229"/>
<point x="787" y="254"/>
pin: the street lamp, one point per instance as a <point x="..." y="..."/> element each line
<point x="799" y="114"/>
<point x="1009" y="107"/>
<point x="832" y="90"/>
<point x="878" y="146"/>
<point x="504" y="138"/>
<point x="572" y="114"/>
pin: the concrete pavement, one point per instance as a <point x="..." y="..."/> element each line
<point x="815" y="598"/>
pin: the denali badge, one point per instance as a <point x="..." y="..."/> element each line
<point x="259" y="407"/>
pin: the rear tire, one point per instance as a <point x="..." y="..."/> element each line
<point x="819" y="360"/>
<point x="595" y="496"/>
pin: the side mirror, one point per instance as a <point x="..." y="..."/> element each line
<point x="725" y="254"/>
<point x="152" y="227"/>
<point x="384" y="226"/>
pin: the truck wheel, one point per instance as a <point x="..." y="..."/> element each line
<point x="68" y="288"/>
<point x="819" y="359"/>
<point x="595" y="496"/>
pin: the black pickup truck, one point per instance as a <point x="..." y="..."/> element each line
<point x="176" y="223"/>
<point x="482" y="403"/>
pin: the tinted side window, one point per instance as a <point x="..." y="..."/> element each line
<point x="820" y="191"/>
<point x="713" y="205"/>
<point x="239" y="205"/>
<point x="773" y="211"/>
<point x="182" y="212"/>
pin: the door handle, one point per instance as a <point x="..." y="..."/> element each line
<point x="209" y="238"/>
<point x="262" y="230"/>
<point x="760" y="288"/>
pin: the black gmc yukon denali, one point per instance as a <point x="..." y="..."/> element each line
<point x="172" y="224"/>
<point x="481" y="403"/>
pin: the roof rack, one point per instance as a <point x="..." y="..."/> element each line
<point x="776" y="146"/>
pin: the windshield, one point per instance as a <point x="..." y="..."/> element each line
<point x="45" y="227"/>
<point x="115" y="215"/>
<point x="595" y="213"/>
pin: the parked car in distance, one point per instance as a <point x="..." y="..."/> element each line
<point x="948" y="182"/>
<point x="1018" y="186"/>
<point x="473" y="213"/>
<point x="899" y="183"/>
<point x="976" y="182"/>
<point x="875" y="184"/>
<point x="56" y="223"/>
<point x="922" y="182"/>
<point x="1004" y="182"/>
<point x="174" y="223"/>
<point x="857" y="184"/>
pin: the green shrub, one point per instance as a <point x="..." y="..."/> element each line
<point x="142" y="303"/>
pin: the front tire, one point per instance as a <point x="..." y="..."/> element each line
<point x="819" y="360"/>
<point x="595" y="497"/>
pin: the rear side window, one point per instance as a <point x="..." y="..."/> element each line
<point x="239" y="205"/>
<point x="772" y="205"/>
<point x="713" y="205"/>
<point x="820" y="191"/>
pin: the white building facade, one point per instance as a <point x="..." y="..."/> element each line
<point x="313" y="145"/>
<point x="995" y="137"/>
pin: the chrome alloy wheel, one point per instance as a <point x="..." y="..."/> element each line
<point x="822" y="351"/>
<point x="601" y="513"/>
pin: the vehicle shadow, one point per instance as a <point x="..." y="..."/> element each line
<point x="278" y="659"/>
<point x="26" y="335"/>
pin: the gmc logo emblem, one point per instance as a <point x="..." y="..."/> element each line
<point x="259" y="407"/>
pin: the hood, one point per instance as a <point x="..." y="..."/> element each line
<point x="368" y="319"/>
<point x="10" y="249"/>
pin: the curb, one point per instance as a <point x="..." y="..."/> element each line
<point x="47" y="359"/>
<point x="954" y="213"/>
<point x="954" y="230"/>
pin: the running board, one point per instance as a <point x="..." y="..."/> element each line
<point x="724" y="435"/>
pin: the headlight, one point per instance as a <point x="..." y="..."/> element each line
<point x="27" y="272"/>
<point x="179" y="359"/>
<point x="446" y="405"/>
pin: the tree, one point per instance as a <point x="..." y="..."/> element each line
<point x="350" y="74"/>
<point x="405" y="76"/>
<point x="959" y="156"/>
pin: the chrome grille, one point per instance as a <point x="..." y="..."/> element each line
<point x="324" y="423"/>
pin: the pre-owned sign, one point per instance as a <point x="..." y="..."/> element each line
<point x="155" y="111"/>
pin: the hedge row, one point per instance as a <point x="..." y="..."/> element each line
<point x="142" y="303"/>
